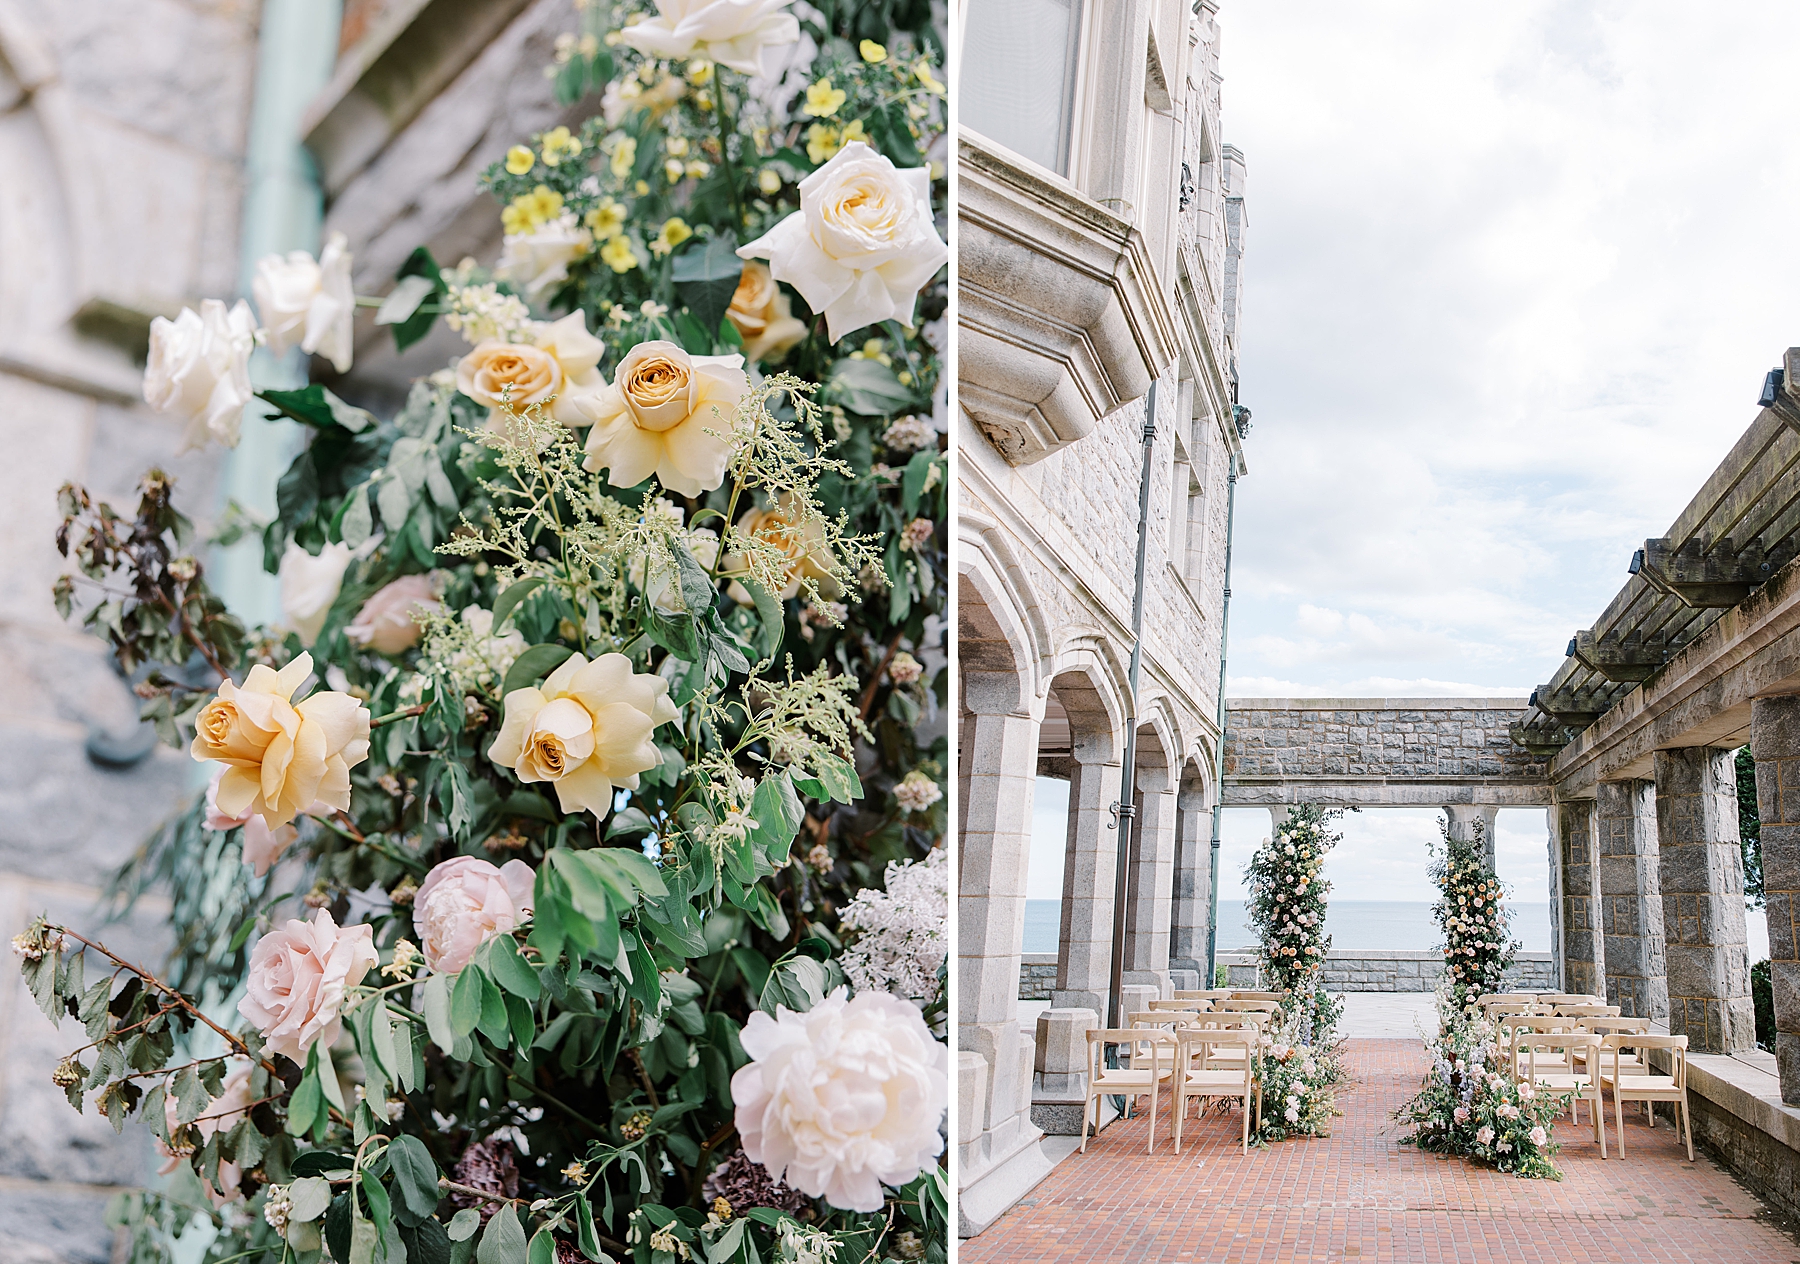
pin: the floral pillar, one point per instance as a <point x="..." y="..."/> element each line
<point x="1702" y="874"/>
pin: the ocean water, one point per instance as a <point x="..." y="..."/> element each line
<point x="1393" y="925"/>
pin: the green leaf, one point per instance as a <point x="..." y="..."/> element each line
<point x="706" y="275"/>
<point x="888" y="129"/>
<point x="869" y="387"/>
<point x="585" y="1235"/>
<point x="543" y="1247"/>
<point x="510" y="970"/>
<point x="778" y="814"/>
<point x="796" y="983"/>
<point x="770" y="623"/>
<point x="311" y="1196"/>
<point x="629" y="823"/>
<point x="465" y="1001"/>
<point x="307" y="405"/>
<point x="838" y="777"/>
<point x="426" y="1243"/>
<point x="190" y="1098"/>
<point x="464" y="1223"/>
<point x="420" y="264"/>
<point x="437" y="1013"/>
<point x="394" y="500"/>
<point x="403" y="300"/>
<point x="533" y="665"/>
<point x="358" y="522"/>
<point x="415" y="1176"/>
<point x="305" y="1105"/>
<point x="337" y="1227"/>
<point x="504" y="1240"/>
<point x="319" y="1163"/>
<point x="297" y="492"/>
<point x="912" y="484"/>
<point x="494" y="1023"/>
<point x="507" y="601"/>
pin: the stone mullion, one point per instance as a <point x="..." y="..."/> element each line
<point x="1583" y="948"/>
<point x="1193" y="885"/>
<point x="1084" y="953"/>
<point x="1152" y="884"/>
<point x="1631" y="915"/>
<point x="1702" y="876"/>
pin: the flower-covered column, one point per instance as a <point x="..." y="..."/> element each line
<point x="1583" y="951"/>
<point x="1631" y="914"/>
<point x="1775" y="742"/>
<point x="1084" y="955"/>
<point x="1702" y="875"/>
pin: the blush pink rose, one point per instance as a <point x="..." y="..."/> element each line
<point x="465" y="902"/>
<point x="221" y="1115"/>
<point x="298" y="977"/>
<point x="385" y="623"/>
<point x="263" y="846"/>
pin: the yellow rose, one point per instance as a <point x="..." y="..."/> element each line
<point x="281" y="757"/>
<point x="804" y="543"/>
<point x="587" y="731"/>
<point x="560" y="363"/>
<point x="655" y="418"/>
<point x="762" y="315"/>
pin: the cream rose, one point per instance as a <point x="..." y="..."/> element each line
<point x="804" y="544"/>
<point x="587" y="731"/>
<point x="842" y="1098"/>
<point x="539" y="260"/>
<point x="465" y="902"/>
<point x="762" y="315"/>
<point x="309" y="587"/>
<point x="561" y="363"/>
<point x="281" y="757"/>
<point x="387" y="623"/>
<point x="656" y="415"/>
<point x="221" y="1115"/>
<point x="298" y="978"/>
<point x="733" y="33"/>
<point x="862" y="244"/>
<point x="307" y="303"/>
<point x="263" y="846"/>
<point x="199" y="370"/>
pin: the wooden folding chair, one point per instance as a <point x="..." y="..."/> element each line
<point x="1647" y="1086"/>
<point x="1526" y="1026"/>
<point x="1207" y="994"/>
<point x="1197" y="1077"/>
<point x="1279" y="998"/>
<point x="1146" y="1059"/>
<point x="1190" y="1006"/>
<point x="1566" y="1049"/>
<point x="1608" y="1025"/>
<point x="1164" y="1019"/>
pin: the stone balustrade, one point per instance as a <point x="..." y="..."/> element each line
<point x="1363" y="970"/>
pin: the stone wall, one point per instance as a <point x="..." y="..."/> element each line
<point x="1398" y="751"/>
<point x="122" y="137"/>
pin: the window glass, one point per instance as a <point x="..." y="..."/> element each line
<point x="1018" y="75"/>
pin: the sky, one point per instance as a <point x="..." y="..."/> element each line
<point x="1514" y="275"/>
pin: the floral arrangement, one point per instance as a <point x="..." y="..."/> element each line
<point x="528" y="915"/>
<point x="1471" y="911"/>
<point x="1287" y="903"/>
<point x="1298" y="1097"/>
<point x="1466" y="1107"/>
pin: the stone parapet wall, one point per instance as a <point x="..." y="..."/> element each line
<point x="1364" y="971"/>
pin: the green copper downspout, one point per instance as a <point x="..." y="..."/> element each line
<point x="297" y="47"/>
<point x="1212" y="915"/>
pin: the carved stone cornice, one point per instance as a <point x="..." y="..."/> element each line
<point x="1061" y="314"/>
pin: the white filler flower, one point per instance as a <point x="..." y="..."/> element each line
<point x="842" y="1098"/>
<point x="901" y="932"/>
<point x="862" y="244"/>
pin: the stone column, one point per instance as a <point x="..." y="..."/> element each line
<point x="1192" y="915"/>
<point x="1578" y="881"/>
<point x="1631" y="912"/>
<point x="1775" y="742"/>
<point x="1464" y="818"/>
<point x="1084" y="956"/>
<point x="1702" y="873"/>
<point x="1001" y="758"/>
<point x="1553" y="836"/>
<point x="1152" y="886"/>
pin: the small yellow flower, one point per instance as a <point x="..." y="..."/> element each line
<point x="823" y="100"/>
<point x="697" y="169"/>
<point x="922" y="72"/>
<point x="530" y="210"/>
<point x="630" y="90"/>
<point x="703" y="100"/>
<point x="575" y="1173"/>
<point x="872" y="52"/>
<point x="624" y="156"/>
<point x="558" y="144"/>
<point x="674" y="231"/>
<point x="641" y="188"/>
<point x="673" y="169"/>
<point x="769" y="181"/>
<point x="699" y="71"/>
<point x="676" y="146"/>
<point x="607" y="220"/>
<point x="618" y="255"/>
<point x="904" y="378"/>
<point x="519" y="160"/>
<point x="853" y="131"/>
<point x="821" y="142"/>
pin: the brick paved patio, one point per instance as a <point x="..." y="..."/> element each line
<point x="1359" y="1195"/>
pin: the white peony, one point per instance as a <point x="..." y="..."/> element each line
<point x="309" y="586"/>
<point x="842" y="1098"/>
<point x="309" y="304"/>
<point x="199" y="369"/>
<point x="539" y="260"/>
<point x="862" y="245"/>
<point x="733" y="33"/>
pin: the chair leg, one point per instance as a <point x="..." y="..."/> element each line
<point x="1598" y="1110"/>
<point x="1150" y="1148"/>
<point x="1619" y="1111"/>
<point x="1687" y="1122"/>
<point x="1094" y="1102"/>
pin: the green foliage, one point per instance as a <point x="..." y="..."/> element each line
<point x="1762" y="998"/>
<point x="1749" y="829"/>
<point x="1472" y="914"/>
